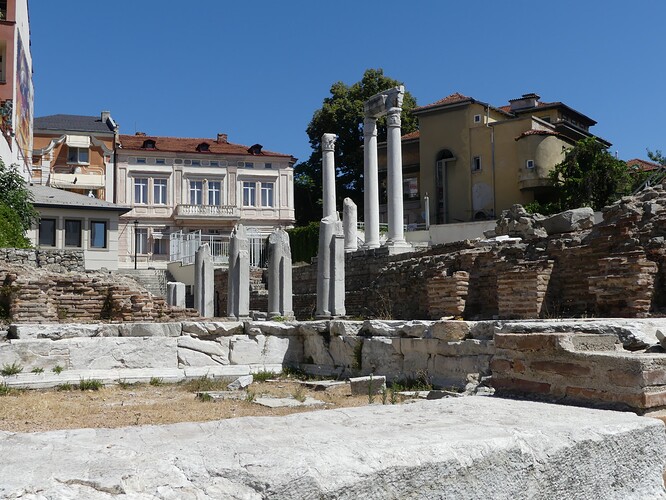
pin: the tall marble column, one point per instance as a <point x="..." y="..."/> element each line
<point x="238" y="289"/>
<point x="328" y="173"/>
<point x="280" y="297"/>
<point x="370" y="183"/>
<point x="330" y="269"/>
<point x="396" y="230"/>
<point x="349" y="221"/>
<point x="204" y="287"/>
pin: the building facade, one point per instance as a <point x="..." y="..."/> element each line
<point x="178" y="186"/>
<point x="16" y="90"/>
<point x="76" y="153"/>
<point x="476" y="160"/>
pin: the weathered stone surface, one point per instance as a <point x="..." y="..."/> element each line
<point x="188" y="357"/>
<point x="316" y="350"/>
<point x="395" y="328"/>
<point x="343" y="351"/>
<point x="569" y="221"/>
<point x="449" y="330"/>
<point x="342" y="327"/>
<point x="61" y="331"/>
<point x="240" y="383"/>
<point x="260" y="349"/>
<point x="204" y="346"/>
<point x="150" y="329"/>
<point x="381" y="353"/>
<point x="118" y="352"/>
<point x="363" y="386"/>
<point x="476" y="448"/>
<point x="272" y="402"/>
<point x="212" y="328"/>
<point x="282" y="328"/>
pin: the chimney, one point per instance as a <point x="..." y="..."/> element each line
<point x="222" y="139"/>
<point x="526" y="101"/>
<point x="140" y="134"/>
<point x="105" y="116"/>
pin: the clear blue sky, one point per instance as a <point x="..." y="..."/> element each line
<point x="257" y="70"/>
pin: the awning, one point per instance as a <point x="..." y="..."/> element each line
<point x="77" y="181"/>
<point x="78" y="141"/>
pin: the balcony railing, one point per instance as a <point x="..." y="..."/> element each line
<point x="208" y="211"/>
<point x="184" y="246"/>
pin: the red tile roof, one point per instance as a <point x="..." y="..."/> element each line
<point x="643" y="165"/>
<point x="412" y="135"/>
<point x="451" y="99"/>
<point x="189" y="145"/>
<point x="537" y="132"/>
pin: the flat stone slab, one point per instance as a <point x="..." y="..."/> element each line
<point x="222" y="395"/>
<point x="322" y="385"/>
<point x="450" y="448"/>
<point x="286" y="402"/>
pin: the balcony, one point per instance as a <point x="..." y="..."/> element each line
<point x="207" y="212"/>
<point x="77" y="181"/>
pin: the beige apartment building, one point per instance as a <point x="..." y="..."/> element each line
<point x="182" y="186"/>
<point x="475" y="160"/>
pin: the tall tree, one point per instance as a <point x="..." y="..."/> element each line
<point x="342" y="114"/>
<point x="16" y="211"/>
<point x="590" y="176"/>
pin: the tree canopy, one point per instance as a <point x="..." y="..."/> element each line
<point x="342" y="114"/>
<point x="590" y="176"/>
<point x="16" y="211"/>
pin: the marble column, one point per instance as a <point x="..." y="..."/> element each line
<point x="280" y="295"/>
<point x="426" y="204"/>
<point x="328" y="173"/>
<point x="204" y="287"/>
<point x="349" y="221"/>
<point x="370" y="183"/>
<point x="330" y="269"/>
<point x="238" y="281"/>
<point x="176" y="294"/>
<point x="396" y="230"/>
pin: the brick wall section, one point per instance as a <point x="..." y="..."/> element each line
<point x="30" y="295"/>
<point x="446" y="294"/>
<point x="521" y="289"/>
<point x="581" y="368"/>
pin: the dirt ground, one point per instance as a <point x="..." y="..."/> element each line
<point x="144" y="404"/>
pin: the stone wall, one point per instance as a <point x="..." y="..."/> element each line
<point x="55" y="260"/>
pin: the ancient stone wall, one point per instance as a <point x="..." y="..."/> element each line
<point x="55" y="260"/>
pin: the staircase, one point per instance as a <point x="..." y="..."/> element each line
<point x="153" y="280"/>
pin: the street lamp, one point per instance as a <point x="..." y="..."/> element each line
<point x="136" y="240"/>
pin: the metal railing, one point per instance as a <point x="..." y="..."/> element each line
<point x="183" y="247"/>
<point x="185" y="210"/>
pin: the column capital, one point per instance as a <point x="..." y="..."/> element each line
<point x="328" y="142"/>
<point x="393" y="117"/>
<point x="369" y="126"/>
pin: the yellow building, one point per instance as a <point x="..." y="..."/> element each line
<point x="476" y="160"/>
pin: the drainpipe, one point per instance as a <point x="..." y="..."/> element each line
<point x="492" y="157"/>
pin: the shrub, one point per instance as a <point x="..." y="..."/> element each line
<point x="12" y="369"/>
<point x="90" y="384"/>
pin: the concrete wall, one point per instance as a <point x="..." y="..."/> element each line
<point x="448" y="233"/>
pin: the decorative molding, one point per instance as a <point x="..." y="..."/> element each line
<point x="328" y="142"/>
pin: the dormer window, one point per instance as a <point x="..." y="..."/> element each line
<point x="203" y="147"/>
<point x="148" y="144"/>
<point x="255" y="149"/>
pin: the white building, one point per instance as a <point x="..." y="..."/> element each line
<point x="178" y="186"/>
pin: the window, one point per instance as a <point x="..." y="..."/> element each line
<point x="529" y="164"/>
<point x="477" y="118"/>
<point x="159" y="191"/>
<point x="77" y="155"/>
<point x="249" y="194"/>
<point x="214" y="163"/>
<point x="410" y="188"/>
<point x="203" y="147"/>
<point x="196" y="191"/>
<point x="141" y="161"/>
<point x="249" y="164"/>
<point x="98" y="234"/>
<point x="196" y="163"/>
<point x="141" y="191"/>
<point x="141" y="239"/>
<point x="268" y="165"/>
<point x="47" y="232"/>
<point x="178" y="161"/>
<point x="266" y="194"/>
<point x="72" y="233"/>
<point x="160" y="161"/>
<point x="476" y="163"/>
<point x="160" y="247"/>
<point x="214" y="191"/>
<point x="148" y="144"/>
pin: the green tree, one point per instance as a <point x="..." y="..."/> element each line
<point x="657" y="157"/>
<point x="16" y="211"/>
<point x="342" y="114"/>
<point x="590" y="176"/>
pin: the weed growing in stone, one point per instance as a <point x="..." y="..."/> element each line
<point x="156" y="381"/>
<point x="12" y="369"/>
<point x="204" y="396"/>
<point x="4" y="389"/>
<point x="206" y="383"/>
<point x="384" y="395"/>
<point x="358" y="355"/>
<point x="37" y="370"/>
<point x="57" y="369"/>
<point x="419" y="382"/>
<point x="264" y="375"/>
<point x="64" y="387"/>
<point x="371" y="392"/>
<point x="294" y="372"/>
<point x="124" y="384"/>
<point x="393" y="396"/>
<point x="299" y="394"/>
<point x="90" y="384"/>
<point x="250" y="396"/>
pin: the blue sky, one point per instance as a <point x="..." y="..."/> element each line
<point x="257" y="70"/>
